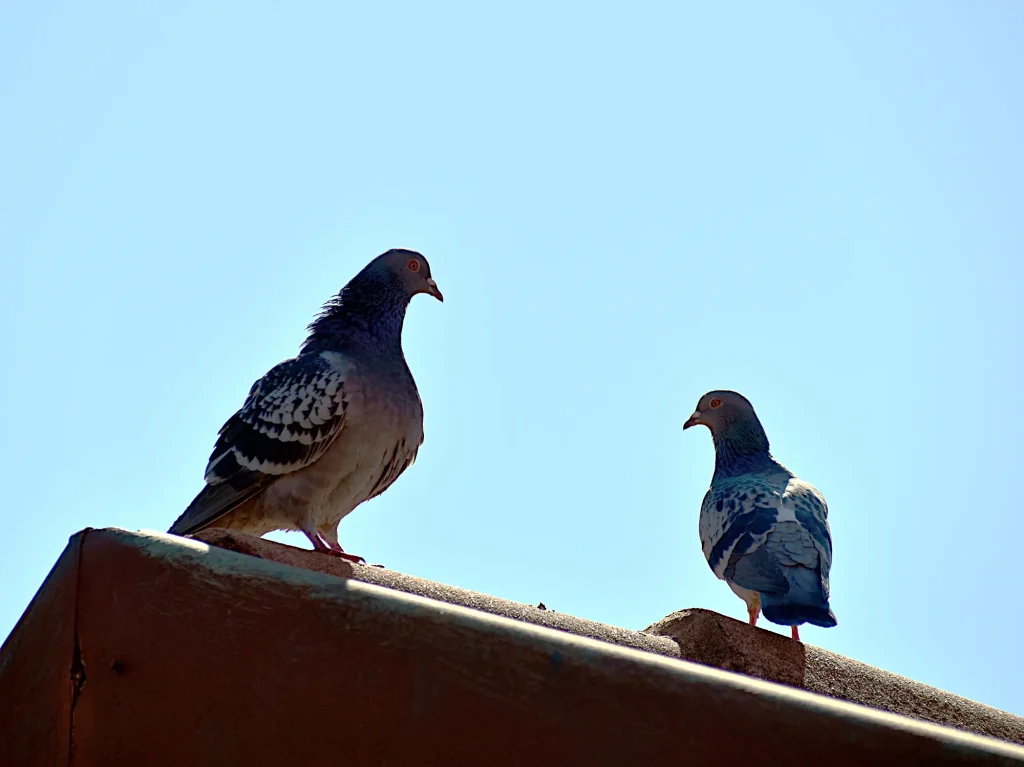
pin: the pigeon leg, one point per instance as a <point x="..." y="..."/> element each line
<point x="334" y="548"/>
<point x="754" y="609"/>
<point x="339" y="552"/>
<point x="796" y="633"/>
<point x="318" y="544"/>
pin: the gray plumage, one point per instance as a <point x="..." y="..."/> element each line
<point x="763" y="531"/>
<point x="333" y="427"/>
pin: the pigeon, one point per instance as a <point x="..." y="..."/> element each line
<point x="764" y="531"/>
<point x="326" y="430"/>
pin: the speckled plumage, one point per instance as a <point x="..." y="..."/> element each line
<point x="333" y="427"/>
<point x="763" y="531"/>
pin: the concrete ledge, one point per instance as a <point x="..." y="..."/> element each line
<point x="706" y="637"/>
<point x="311" y="560"/>
<point x="170" y="652"/>
<point x="696" y="635"/>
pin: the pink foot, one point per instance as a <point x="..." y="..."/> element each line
<point x="347" y="557"/>
<point x="335" y="550"/>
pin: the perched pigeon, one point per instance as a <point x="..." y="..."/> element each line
<point x="326" y="430"/>
<point x="764" y="531"/>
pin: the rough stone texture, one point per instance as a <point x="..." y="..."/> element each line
<point x="706" y="637"/>
<point x="171" y="652"/>
<point x="311" y="560"/>
<point x="698" y="635"/>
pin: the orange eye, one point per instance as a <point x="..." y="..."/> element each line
<point x="716" y="402"/>
<point x="414" y="265"/>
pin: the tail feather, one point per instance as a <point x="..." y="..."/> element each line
<point x="790" y="614"/>
<point x="212" y="503"/>
<point x="805" y="602"/>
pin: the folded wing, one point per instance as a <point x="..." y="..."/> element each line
<point x="289" y="419"/>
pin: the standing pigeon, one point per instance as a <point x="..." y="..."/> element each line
<point x="764" y="531"/>
<point x="326" y="430"/>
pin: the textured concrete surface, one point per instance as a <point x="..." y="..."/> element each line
<point x="697" y="635"/>
<point x="706" y="637"/>
<point x="311" y="560"/>
<point x="171" y="652"/>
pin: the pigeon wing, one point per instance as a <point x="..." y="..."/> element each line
<point x="737" y="518"/>
<point x="289" y="419"/>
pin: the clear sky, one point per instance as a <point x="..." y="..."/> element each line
<point x="626" y="205"/>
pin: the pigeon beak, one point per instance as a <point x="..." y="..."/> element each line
<point x="432" y="289"/>
<point x="693" y="420"/>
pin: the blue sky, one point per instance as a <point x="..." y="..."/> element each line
<point x="626" y="205"/>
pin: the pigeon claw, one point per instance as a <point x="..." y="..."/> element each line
<point x="347" y="557"/>
<point x="334" y="550"/>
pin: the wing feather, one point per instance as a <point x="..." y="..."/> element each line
<point x="289" y="419"/>
<point x="751" y="531"/>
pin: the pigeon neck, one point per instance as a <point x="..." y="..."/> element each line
<point x="367" y="314"/>
<point x="741" y="447"/>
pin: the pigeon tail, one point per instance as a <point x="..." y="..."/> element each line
<point x="787" y="613"/>
<point x="214" y="501"/>
<point x="805" y="602"/>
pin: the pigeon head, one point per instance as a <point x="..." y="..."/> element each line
<point x="741" y="444"/>
<point x="369" y="312"/>
<point x="407" y="269"/>
<point x="718" y="409"/>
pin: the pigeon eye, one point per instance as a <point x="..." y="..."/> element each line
<point x="716" y="402"/>
<point x="414" y="265"/>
